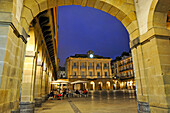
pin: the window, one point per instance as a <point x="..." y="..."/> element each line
<point x="90" y="73"/>
<point x="97" y="64"/>
<point x="90" y="64"/>
<point x="105" y="73"/>
<point x="98" y="73"/>
<point x="83" y="73"/>
<point x="105" y="65"/>
<point x="74" y="64"/>
<point x="82" y="64"/>
<point x="74" y="73"/>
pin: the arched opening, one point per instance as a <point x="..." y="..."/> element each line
<point x="151" y="71"/>
<point x="107" y="85"/>
<point x="92" y="85"/>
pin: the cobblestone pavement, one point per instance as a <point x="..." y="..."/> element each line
<point x="120" y="101"/>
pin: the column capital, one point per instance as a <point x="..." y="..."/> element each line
<point x="30" y="54"/>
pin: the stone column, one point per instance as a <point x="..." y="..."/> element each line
<point x="38" y="82"/>
<point x="79" y="71"/>
<point x="70" y="68"/>
<point x="102" y="71"/>
<point x="94" y="66"/>
<point x="152" y="71"/>
<point x="87" y="69"/>
<point x="43" y="84"/>
<point x="29" y="73"/>
<point x="46" y="83"/>
<point x="96" y="85"/>
<point x="27" y="91"/>
<point x="110" y="72"/>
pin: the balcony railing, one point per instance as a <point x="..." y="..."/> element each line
<point x="127" y="77"/>
<point x="90" y="67"/>
<point x="105" y="67"/>
<point x="90" y="76"/>
<point x="75" y="67"/>
<point x="99" y="67"/>
<point x="83" y="67"/>
<point x="107" y="76"/>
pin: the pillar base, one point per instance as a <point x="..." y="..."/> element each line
<point x="26" y="107"/>
<point x="38" y="102"/>
<point x="143" y="107"/>
<point x="43" y="98"/>
<point x="46" y="97"/>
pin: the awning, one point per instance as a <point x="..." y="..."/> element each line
<point x="79" y="81"/>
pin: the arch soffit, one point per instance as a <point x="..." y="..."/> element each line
<point x="157" y="18"/>
<point x="123" y="10"/>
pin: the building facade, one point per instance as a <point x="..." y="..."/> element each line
<point x="123" y="73"/>
<point x="94" y="69"/>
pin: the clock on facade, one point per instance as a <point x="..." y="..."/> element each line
<point x="91" y="55"/>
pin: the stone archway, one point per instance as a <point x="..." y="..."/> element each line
<point x="124" y="11"/>
<point x="150" y="36"/>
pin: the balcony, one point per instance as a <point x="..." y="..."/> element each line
<point x="105" y="67"/>
<point x="126" y="77"/>
<point x="77" y="76"/>
<point x="99" y="76"/>
<point x="75" y="67"/>
<point x="107" y="77"/>
<point x="99" y="67"/>
<point x="73" y="76"/>
<point x="83" y="76"/>
<point x="83" y="67"/>
<point x="90" y="67"/>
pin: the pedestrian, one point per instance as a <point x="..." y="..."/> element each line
<point x="85" y="93"/>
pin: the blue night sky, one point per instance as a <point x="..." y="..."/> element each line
<point x="83" y="28"/>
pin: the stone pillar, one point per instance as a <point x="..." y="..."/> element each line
<point x="29" y="73"/>
<point x="43" y="84"/>
<point x="94" y="65"/>
<point x="96" y="85"/>
<point x="110" y="72"/>
<point x="70" y="68"/>
<point x="152" y="71"/>
<point x="79" y="71"/>
<point x="38" y="82"/>
<point x="102" y="72"/>
<point x="27" y="91"/>
<point x="87" y="69"/>
<point x="104" y="85"/>
<point x="46" y="84"/>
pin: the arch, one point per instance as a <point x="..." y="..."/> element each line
<point x="158" y="13"/>
<point x="124" y="11"/>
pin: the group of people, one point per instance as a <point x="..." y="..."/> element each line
<point x="59" y="93"/>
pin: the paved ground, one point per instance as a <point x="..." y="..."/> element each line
<point x="96" y="102"/>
